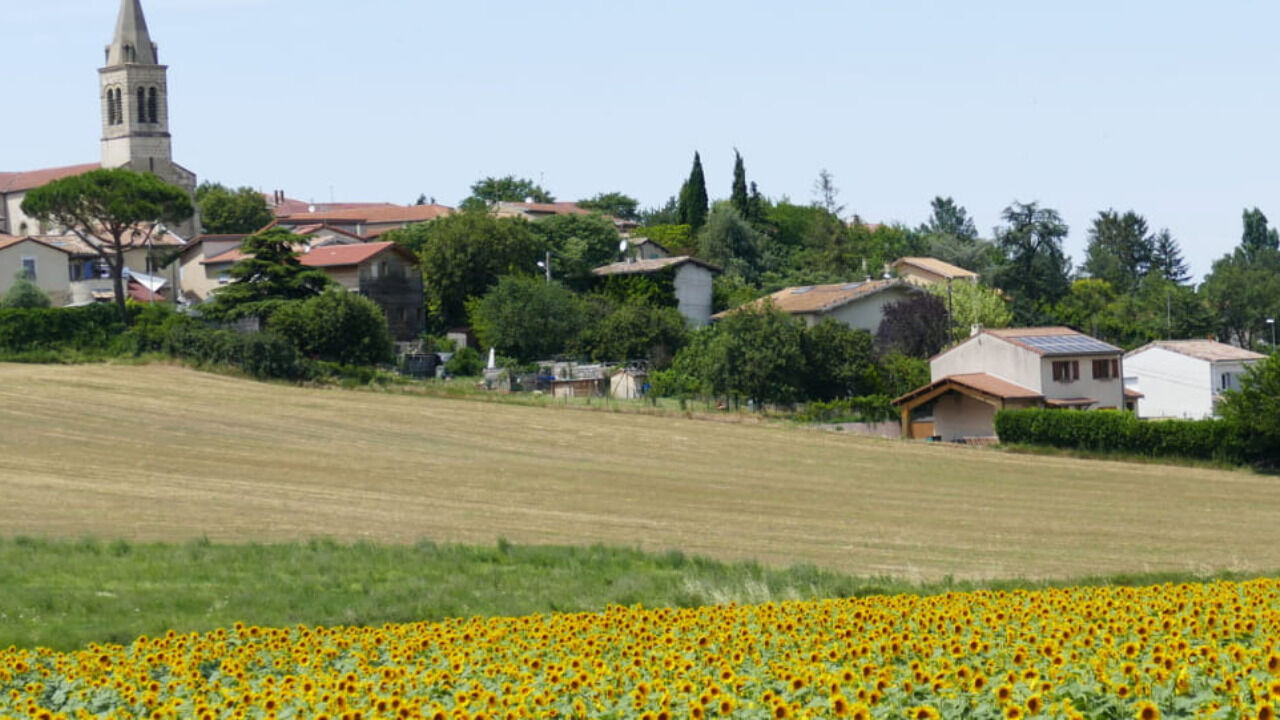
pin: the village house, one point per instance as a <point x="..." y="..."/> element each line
<point x="859" y="305"/>
<point x="1185" y="378"/>
<point x="71" y="272"/>
<point x="925" y="271"/>
<point x="691" y="280"/>
<point x="1013" y="368"/>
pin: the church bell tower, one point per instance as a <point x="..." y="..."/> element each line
<point x="134" y="93"/>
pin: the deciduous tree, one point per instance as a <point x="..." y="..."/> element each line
<point x="225" y="212"/>
<point x="917" y="326"/>
<point x="464" y="254"/>
<point x="490" y="190"/>
<point x="526" y="318"/>
<point x="614" y="204"/>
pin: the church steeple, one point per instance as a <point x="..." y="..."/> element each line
<point x="132" y="43"/>
<point x="134" y="95"/>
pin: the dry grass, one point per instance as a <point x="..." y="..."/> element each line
<point x="165" y="453"/>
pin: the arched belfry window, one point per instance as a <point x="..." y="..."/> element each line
<point x="142" y="105"/>
<point x="151" y="106"/>
<point x="119" y="106"/>
<point x="111" y="106"/>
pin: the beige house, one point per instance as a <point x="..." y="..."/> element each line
<point x="691" y="278"/>
<point x="860" y="305"/>
<point x="924" y="271"/>
<point x="43" y="264"/>
<point x="1013" y="368"/>
<point x="198" y="274"/>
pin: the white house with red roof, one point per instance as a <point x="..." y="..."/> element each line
<point x="1013" y="368"/>
<point x="1185" y="378"/>
<point x="134" y="105"/>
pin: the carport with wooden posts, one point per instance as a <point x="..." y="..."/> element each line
<point x="966" y="405"/>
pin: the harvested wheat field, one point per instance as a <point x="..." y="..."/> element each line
<point x="166" y="453"/>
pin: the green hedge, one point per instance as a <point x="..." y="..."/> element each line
<point x="81" y="328"/>
<point x="868" y="408"/>
<point x="157" y="328"/>
<point x="1120" y="431"/>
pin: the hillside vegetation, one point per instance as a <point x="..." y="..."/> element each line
<point x="158" y="453"/>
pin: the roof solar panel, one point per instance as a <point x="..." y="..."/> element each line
<point x="1067" y="344"/>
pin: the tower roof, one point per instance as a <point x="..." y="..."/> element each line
<point x="132" y="43"/>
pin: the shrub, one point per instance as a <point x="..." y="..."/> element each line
<point x="466" y="363"/>
<point x="259" y="354"/>
<point x="84" y="328"/>
<point x="24" y="294"/>
<point x="868" y="408"/>
<point x="336" y="326"/>
<point x="1119" y="431"/>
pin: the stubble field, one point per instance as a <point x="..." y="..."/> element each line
<point x="166" y="453"/>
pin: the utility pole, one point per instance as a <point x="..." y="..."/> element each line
<point x="547" y="265"/>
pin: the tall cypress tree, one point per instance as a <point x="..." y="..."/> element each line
<point x="738" y="198"/>
<point x="691" y="209"/>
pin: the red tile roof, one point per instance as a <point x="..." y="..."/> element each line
<point x="1210" y="350"/>
<point x="336" y="255"/>
<point x="808" y="299"/>
<point x="374" y="214"/>
<point x="227" y="256"/>
<point x="11" y="182"/>
<point x="986" y="384"/>
<point x="936" y="266"/>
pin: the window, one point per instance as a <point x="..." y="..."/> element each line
<point x="1226" y="381"/>
<point x="151" y="106"/>
<point x="29" y="268"/>
<point x="1106" y="369"/>
<point x="142" y="105"/>
<point x="111" y="106"/>
<point x="1066" y="370"/>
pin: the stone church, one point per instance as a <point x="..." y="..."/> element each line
<point x="134" y="97"/>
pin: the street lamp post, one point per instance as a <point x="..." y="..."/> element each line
<point x="1272" y="322"/>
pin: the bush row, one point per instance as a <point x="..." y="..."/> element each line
<point x="36" y="329"/>
<point x="867" y="408"/>
<point x="1123" y="432"/>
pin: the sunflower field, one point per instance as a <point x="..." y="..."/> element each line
<point x="1172" y="651"/>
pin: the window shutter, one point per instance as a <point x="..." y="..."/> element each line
<point x="1075" y="369"/>
<point x="1115" y="368"/>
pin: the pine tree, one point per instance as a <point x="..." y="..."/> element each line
<point x="692" y="209"/>
<point x="1167" y="260"/>
<point x="756" y="206"/>
<point x="738" y="198"/>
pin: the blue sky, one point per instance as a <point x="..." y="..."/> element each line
<point x="1167" y="108"/>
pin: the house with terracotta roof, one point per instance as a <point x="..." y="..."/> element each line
<point x="925" y="271"/>
<point x="1185" y="378"/>
<point x="384" y="272"/>
<point x="691" y="280"/>
<point x="1013" y="368"/>
<point x="860" y="305"/>
<point x="43" y="264"/>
